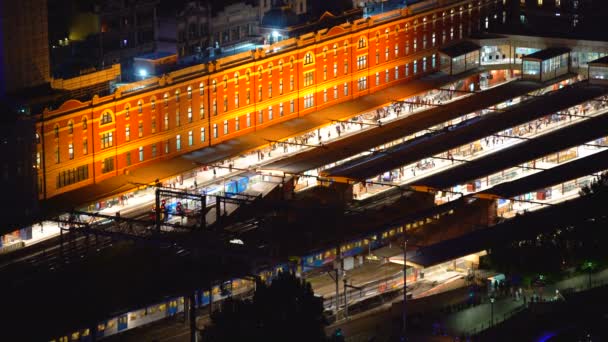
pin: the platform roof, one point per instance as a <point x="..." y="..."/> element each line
<point x="563" y="173"/>
<point x="520" y="227"/>
<point x="600" y="61"/>
<point x="394" y="130"/>
<point x="440" y="141"/>
<point x="558" y="140"/>
<point x="549" y="53"/>
<point x="460" y="49"/>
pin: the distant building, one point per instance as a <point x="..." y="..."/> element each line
<point x="200" y="29"/>
<point x="91" y="35"/>
<point x="24" y="49"/>
<point x="281" y="23"/>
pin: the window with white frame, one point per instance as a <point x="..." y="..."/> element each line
<point x="361" y="62"/>
<point x="362" y="83"/>
<point x="309" y="100"/>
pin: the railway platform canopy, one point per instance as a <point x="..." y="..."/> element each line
<point x="598" y="71"/>
<point x="412" y="151"/>
<point x="519" y="227"/>
<point x="553" y="142"/>
<point x="590" y="165"/>
<point x="367" y="140"/>
<point x="546" y="64"/>
<point x="460" y="57"/>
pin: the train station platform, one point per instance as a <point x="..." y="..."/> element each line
<point x="177" y="166"/>
<point x="589" y="165"/>
<point x="365" y="141"/>
<point x="553" y="142"/>
<point x="438" y="142"/>
<point x="520" y="227"/>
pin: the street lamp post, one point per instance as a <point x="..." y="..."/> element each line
<point x="492" y="311"/>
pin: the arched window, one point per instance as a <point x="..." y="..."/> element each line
<point x="153" y="103"/>
<point x="308" y="58"/>
<point x="166" y="99"/>
<point x="127" y="109"/>
<point x="214" y="86"/>
<point x="345" y="47"/>
<point x="177" y="95"/>
<point x="106" y="118"/>
<point x="335" y="49"/>
<point x="362" y="42"/>
<point x="247" y="75"/>
<point x="201" y="89"/>
<point x="140" y="106"/>
<point x="270" y="69"/>
<point x="281" y="66"/>
<point x="236" y="79"/>
<point x="56" y="130"/>
<point x="325" y="52"/>
<point x="84" y="124"/>
<point x="225" y="82"/>
<point x="70" y="127"/>
<point x="291" y="61"/>
<point x="189" y="92"/>
<point x="260" y="70"/>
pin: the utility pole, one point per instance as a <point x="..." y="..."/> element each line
<point x="337" y="266"/>
<point x="403" y="334"/>
<point x="337" y="297"/>
<point x="193" y="331"/>
<point x="345" y="295"/>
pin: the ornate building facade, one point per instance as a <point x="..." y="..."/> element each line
<point x="80" y="143"/>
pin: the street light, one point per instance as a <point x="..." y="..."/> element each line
<point x="492" y="311"/>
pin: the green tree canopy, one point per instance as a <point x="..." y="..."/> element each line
<point x="286" y="310"/>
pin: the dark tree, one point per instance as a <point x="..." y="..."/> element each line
<point x="287" y="310"/>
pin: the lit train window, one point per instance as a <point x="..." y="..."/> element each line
<point x="421" y="223"/>
<point x="428" y="220"/>
<point x="162" y="307"/>
<point x="76" y="336"/>
<point x="151" y="310"/>
<point x="133" y="317"/>
<point x="101" y="327"/>
<point x="86" y="332"/>
<point x="111" y="324"/>
<point x="309" y="260"/>
<point x="451" y="211"/>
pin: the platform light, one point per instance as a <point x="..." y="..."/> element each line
<point x="275" y="34"/>
<point x="237" y="242"/>
<point x="143" y="72"/>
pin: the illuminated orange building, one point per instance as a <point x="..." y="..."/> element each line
<point x="81" y="143"/>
